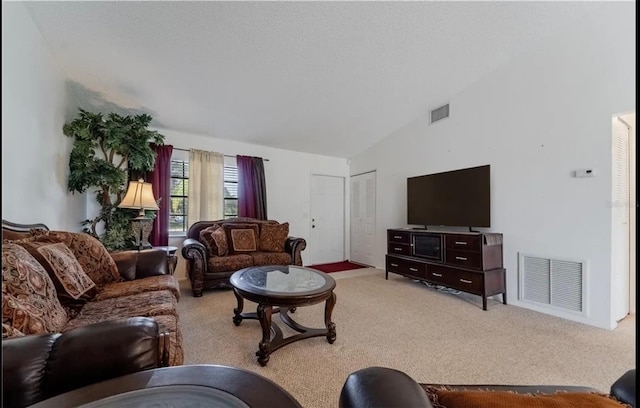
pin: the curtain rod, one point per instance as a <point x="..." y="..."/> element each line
<point x="225" y="155"/>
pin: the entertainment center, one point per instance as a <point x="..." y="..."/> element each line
<point x="466" y="261"/>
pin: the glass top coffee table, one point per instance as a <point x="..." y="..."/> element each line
<point x="288" y="287"/>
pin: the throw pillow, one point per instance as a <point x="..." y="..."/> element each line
<point x="241" y="238"/>
<point x="29" y="301"/>
<point x="73" y="285"/>
<point x="94" y="258"/>
<point x="273" y="237"/>
<point x="442" y="398"/>
<point x="220" y="238"/>
<point x="208" y="241"/>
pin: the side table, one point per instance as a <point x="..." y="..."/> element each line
<point x="172" y="257"/>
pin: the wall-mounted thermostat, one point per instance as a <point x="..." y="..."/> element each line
<point x="583" y="173"/>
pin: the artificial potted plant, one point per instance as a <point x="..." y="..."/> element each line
<point x="105" y="150"/>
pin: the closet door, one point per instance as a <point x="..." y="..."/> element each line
<point x="363" y="218"/>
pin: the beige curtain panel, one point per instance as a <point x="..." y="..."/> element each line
<point x="206" y="184"/>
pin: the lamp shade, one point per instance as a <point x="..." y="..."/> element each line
<point x="139" y="196"/>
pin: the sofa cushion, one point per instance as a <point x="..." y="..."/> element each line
<point x="271" y="258"/>
<point x="90" y="253"/>
<point x="29" y="300"/>
<point x="443" y="398"/>
<point x="207" y="239"/>
<point x="229" y="263"/>
<point x="220" y="238"/>
<point x="147" y="304"/>
<point x="134" y="287"/>
<point x="273" y="237"/>
<point x="241" y="238"/>
<point x="73" y="285"/>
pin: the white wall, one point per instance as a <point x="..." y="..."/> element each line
<point x="534" y="120"/>
<point x="288" y="177"/>
<point x="35" y="106"/>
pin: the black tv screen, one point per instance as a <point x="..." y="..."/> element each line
<point x="459" y="198"/>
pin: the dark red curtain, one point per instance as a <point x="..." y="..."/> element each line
<point x="252" y="188"/>
<point x="161" y="182"/>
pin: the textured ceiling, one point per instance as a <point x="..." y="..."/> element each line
<point x="329" y="78"/>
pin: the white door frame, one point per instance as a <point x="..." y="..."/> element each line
<point x="314" y="244"/>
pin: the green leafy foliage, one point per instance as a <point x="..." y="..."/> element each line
<point x="104" y="151"/>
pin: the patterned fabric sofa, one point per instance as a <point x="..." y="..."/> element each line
<point x="214" y="250"/>
<point x="57" y="281"/>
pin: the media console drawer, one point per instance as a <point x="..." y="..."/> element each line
<point x="403" y="237"/>
<point x="465" y="259"/>
<point x="400" y="249"/>
<point x="406" y="267"/>
<point x="463" y="242"/>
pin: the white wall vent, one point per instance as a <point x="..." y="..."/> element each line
<point x="552" y="283"/>
<point x="439" y="113"/>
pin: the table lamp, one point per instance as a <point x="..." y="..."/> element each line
<point x="139" y="196"/>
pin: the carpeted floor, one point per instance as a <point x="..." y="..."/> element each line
<point x="336" y="266"/>
<point x="434" y="337"/>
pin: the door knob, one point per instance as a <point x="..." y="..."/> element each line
<point x="313" y="226"/>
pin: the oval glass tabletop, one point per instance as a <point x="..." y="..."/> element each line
<point x="174" y="396"/>
<point x="283" y="279"/>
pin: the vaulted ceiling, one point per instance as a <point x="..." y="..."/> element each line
<point x="329" y="78"/>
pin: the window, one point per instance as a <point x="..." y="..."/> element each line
<point x="230" y="190"/>
<point x="179" y="201"/>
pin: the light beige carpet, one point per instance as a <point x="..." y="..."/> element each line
<point x="434" y="337"/>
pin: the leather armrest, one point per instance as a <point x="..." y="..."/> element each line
<point x="23" y="368"/>
<point x="624" y="389"/>
<point x="192" y="248"/>
<point x="294" y="246"/>
<point x="382" y="387"/>
<point x="40" y="367"/>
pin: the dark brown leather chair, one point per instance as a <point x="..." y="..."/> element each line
<point x="385" y="387"/>
<point x="38" y="367"/>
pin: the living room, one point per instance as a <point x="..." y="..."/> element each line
<point x="536" y="114"/>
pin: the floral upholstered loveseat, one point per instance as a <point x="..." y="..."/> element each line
<point x="214" y="250"/>
<point x="56" y="281"/>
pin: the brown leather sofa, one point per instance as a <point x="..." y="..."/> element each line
<point x="207" y="269"/>
<point x="127" y="284"/>
<point x="385" y="387"/>
<point x="38" y="367"/>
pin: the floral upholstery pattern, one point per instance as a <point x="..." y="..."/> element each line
<point x="90" y="253"/>
<point x="147" y="304"/>
<point x="8" y="331"/>
<point x="271" y="258"/>
<point x="273" y="237"/>
<point x="230" y="262"/>
<point x="170" y="324"/>
<point x="241" y="238"/>
<point x="29" y="301"/>
<point x="137" y="286"/>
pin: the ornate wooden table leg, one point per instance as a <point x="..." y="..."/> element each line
<point x="331" y="326"/>
<point x="264" y="315"/>
<point x="237" y="312"/>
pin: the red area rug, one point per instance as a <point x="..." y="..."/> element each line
<point x="336" y="267"/>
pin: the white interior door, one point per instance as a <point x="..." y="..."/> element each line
<point x="620" y="221"/>
<point x="327" y="219"/>
<point x="363" y="218"/>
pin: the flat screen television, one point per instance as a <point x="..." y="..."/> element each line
<point x="458" y="198"/>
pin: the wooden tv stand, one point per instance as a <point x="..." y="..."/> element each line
<point x="466" y="261"/>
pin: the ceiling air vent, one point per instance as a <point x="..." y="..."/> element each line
<point x="439" y="113"/>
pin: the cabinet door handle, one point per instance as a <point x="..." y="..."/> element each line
<point x="465" y="281"/>
<point x="461" y="258"/>
<point x="460" y="243"/>
<point x="396" y="265"/>
<point x="413" y="269"/>
<point x="439" y="275"/>
<point x="397" y="237"/>
<point x="398" y="249"/>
